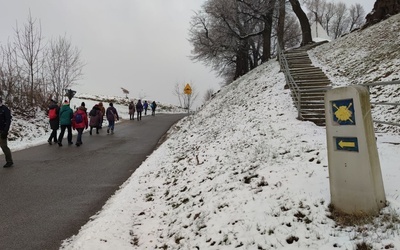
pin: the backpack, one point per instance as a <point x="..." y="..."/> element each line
<point x="52" y="113"/>
<point x="78" y="118"/>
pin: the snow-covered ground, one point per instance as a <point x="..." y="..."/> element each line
<point x="244" y="173"/>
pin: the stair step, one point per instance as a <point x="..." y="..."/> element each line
<point x="304" y="70"/>
<point x="313" y="75"/>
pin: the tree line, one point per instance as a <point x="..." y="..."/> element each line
<point x="235" y="36"/>
<point x="34" y="70"/>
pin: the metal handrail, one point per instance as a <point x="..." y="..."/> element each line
<point x="289" y="79"/>
<point x="395" y="104"/>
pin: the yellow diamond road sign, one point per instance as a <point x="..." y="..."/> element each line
<point x="187" y="90"/>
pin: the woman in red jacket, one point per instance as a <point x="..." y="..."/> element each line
<point x="80" y="122"/>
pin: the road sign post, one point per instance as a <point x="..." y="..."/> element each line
<point x="355" y="176"/>
<point x="70" y="93"/>
<point x="188" y="91"/>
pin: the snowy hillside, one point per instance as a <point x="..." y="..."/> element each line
<point x="244" y="173"/>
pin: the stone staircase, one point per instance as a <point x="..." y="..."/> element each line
<point x="312" y="83"/>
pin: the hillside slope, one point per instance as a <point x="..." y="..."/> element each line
<point x="242" y="173"/>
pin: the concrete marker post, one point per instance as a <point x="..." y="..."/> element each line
<point x="355" y="176"/>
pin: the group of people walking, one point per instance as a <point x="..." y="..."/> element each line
<point x="62" y="116"/>
<point x="79" y="119"/>
<point x="139" y="107"/>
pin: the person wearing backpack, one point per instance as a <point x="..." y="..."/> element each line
<point x="112" y="116"/>
<point x="54" y="120"/>
<point x="153" y="108"/>
<point x="66" y="114"/>
<point x="80" y="122"/>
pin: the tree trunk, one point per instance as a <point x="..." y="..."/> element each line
<point x="242" y="63"/>
<point x="281" y="23"/>
<point x="304" y="23"/>
<point x="268" y="18"/>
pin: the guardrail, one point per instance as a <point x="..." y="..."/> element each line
<point x="290" y="81"/>
<point x="393" y="104"/>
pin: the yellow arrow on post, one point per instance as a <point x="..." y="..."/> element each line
<point x="187" y="90"/>
<point x="347" y="144"/>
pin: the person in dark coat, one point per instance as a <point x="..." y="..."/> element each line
<point x="112" y="116"/>
<point x="131" y="109"/>
<point x="55" y="122"/>
<point x="153" y="108"/>
<point x="5" y="122"/>
<point x="139" y="109"/>
<point x="95" y="118"/>
<point x="66" y="114"/>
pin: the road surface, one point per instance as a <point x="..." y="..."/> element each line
<point x="52" y="191"/>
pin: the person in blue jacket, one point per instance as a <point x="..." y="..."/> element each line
<point x="145" y="106"/>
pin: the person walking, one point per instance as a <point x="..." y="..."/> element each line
<point x="5" y="122"/>
<point x="139" y="109"/>
<point x="83" y="107"/>
<point x="66" y="114"/>
<point x="80" y="122"/>
<point x="54" y="120"/>
<point x="131" y="108"/>
<point x="153" y="108"/>
<point x="145" y="107"/>
<point x="95" y="118"/>
<point x="103" y="112"/>
<point x="112" y="116"/>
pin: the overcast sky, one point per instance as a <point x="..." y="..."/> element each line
<point x="122" y="42"/>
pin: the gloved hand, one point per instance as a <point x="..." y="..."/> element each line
<point x="4" y="135"/>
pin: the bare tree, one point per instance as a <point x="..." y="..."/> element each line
<point x="208" y="95"/>
<point x="29" y="45"/>
<point x="178" y="92"/>
<point x="357" y="14"/>
<point x="233" y="36"/>
<point x="340" y="21"/>
<point x="9" y="74"/>
<point x="64" y="66"/>
<point x="335" y="18"/>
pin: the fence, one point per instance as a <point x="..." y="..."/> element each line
<point x="392" y="105"/>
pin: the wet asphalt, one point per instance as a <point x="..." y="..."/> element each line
<point x="52" y="191"/>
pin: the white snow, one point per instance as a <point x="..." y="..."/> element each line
<point x="244" y="173"/>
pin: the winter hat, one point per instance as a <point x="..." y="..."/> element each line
<point x="66" y="102"/>
<point x="83" y="104"/>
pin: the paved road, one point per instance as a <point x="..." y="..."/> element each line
<point x="52" y="191"/>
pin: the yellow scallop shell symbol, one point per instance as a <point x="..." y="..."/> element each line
<point x="343" y="113"/>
